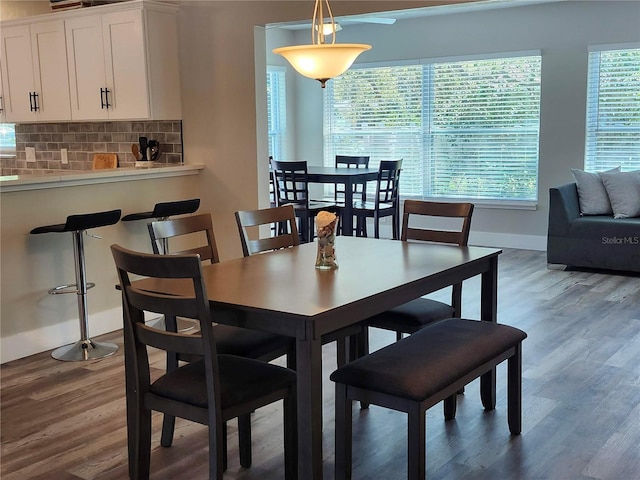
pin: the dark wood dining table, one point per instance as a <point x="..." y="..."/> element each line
<point x="283" y="292"/>
<point x="348" y="177"/>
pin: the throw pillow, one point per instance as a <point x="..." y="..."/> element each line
<point x="592" y="196"/>
<point x="623" y="189"/>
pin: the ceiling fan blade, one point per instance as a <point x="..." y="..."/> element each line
<point x="366" y="19"/>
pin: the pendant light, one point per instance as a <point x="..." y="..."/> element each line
<point x="320" y="60"/>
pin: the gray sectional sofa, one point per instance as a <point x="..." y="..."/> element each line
<point x="591" y="241"/>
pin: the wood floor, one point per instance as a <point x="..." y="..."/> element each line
<point x="581" y="401"/>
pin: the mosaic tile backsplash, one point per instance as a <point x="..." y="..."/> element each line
<point x="83" y="140"/>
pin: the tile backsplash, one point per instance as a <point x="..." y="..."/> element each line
<point x="83" y="140"/>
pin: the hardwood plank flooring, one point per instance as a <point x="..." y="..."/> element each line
<point x="581" y="401"/>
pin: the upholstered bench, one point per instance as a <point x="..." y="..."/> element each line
<point x="419" y="371"/>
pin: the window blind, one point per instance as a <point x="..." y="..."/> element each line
<point x="613" y="110"/>
<point x="276" y="110"/>
<point x="465" y="129"/>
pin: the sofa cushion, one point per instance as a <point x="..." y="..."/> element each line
<point x="623" y="189"/>
<point x="592" y="194"/>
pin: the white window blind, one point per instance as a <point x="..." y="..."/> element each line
<point x="613" y="110"/>
<point x="465" y="129"/>
<point x="276" y="110"/>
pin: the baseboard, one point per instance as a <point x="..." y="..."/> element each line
<point x="28" y="343"/>
<point x="508" y="240"/>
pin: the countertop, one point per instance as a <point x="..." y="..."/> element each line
<point x="15" y="183"/>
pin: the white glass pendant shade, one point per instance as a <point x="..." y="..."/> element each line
<point x="322" y="61"/>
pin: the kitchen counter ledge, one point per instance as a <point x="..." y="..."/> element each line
<point x="16" y="183"/>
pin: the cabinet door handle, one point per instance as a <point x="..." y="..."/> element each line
<point x="33" y="101"/>
<point x="1" y="105"/>
<point x="104" y="98"/>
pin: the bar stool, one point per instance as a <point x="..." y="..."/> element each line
<point x="85" y="348"/>
<point x="163" y="211"/>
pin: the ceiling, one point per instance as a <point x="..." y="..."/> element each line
<point x="388" y="18"/>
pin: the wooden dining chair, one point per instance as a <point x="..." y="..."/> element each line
<point x="195" y="236"/>
<point x="348" y="161"/>
<point x="251" y="246"/>
<point x="292" y="188"/>
<point x="416" y="314"/>
<point x="286" y="234"/>
<point x="209" y="391"/>
<point x="386" y="202"/>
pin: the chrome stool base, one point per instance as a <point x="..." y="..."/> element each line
<point x="84" y="350"/>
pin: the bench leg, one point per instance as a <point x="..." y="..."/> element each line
<point x="343" y="433"/>
<point x="450" y="404"/>
<point x="514" y="391"/>
<point x="417" y="441"/>
<point x="244" y="436"/>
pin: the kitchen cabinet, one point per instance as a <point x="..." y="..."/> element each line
<point x="110" y="62"/>
<point x="124" y="65"/>
<point x="34" y="73"/>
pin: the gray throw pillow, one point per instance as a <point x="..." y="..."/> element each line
<point x="623" y="189"/>
<point x="592" y="196"/>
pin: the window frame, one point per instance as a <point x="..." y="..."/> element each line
<point x="277" y="112"/>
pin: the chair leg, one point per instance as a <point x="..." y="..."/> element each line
<point x="362" y="341"/>
<point x="142" y="448"/>
<point x="343" y="434"/>
<point x="290" y="436"/>
<point x="217" y="448"/>
<point x="514" y="391"/>
<point x="417" y="441"/>
<point x="341" y="352"/>
<point x="244" y="436"/>
<point x="450" y="404"/>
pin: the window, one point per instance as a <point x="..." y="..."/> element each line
<point x="613" y="109"/>
<point x="465" y="129"/>
<point x="7" y="139"/>
<point x="276" y="111"/>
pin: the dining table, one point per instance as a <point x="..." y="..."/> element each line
<point x="349" y="177"/>
<point x="282" y="292"/>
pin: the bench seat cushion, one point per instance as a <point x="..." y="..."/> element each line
<point x="430" y="360"/>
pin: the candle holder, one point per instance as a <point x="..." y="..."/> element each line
<point x="326" y="224"/>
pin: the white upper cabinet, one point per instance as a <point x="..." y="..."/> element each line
<point x="111" y="62"/>
<point x="110" y="70"/>
<point x="34" y="72"/>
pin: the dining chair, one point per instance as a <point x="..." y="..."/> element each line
<point x="359" y="190"/>
<point x="286" y="234"/>
<point x="210" y="391"/>
<point x="195" y="235"/>
<point x="348" y="161"/>
<point x="251" y="246"/>
<point x="386" y="202"/>
<point x="292" y="187"/>
<point x="454" y="224"/>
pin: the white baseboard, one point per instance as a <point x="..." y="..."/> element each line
<point x="508" y="240"/>
<point x="28" y="343"/>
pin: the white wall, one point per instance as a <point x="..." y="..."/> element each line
<point x="562" y="31"/>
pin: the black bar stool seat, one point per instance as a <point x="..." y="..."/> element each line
<point x="164" y="210"/>
<point x="85" y="348"/>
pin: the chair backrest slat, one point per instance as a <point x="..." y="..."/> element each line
<point x="388" y="184"/>
<point x="163" y="230"/>
<point x="286" y="232"/>
<point x="416" y="208"/>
